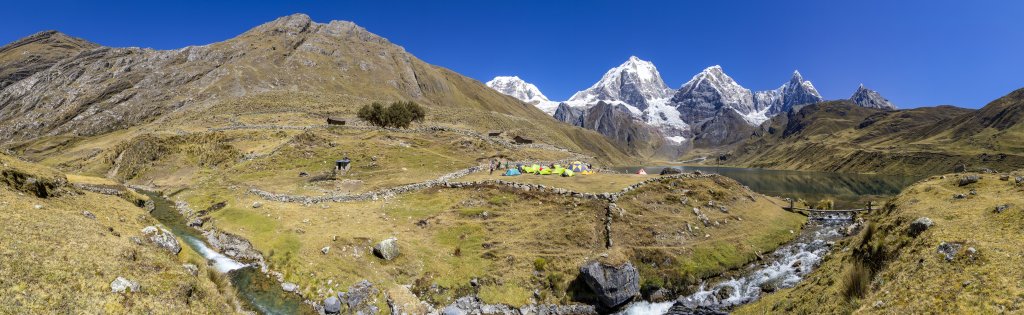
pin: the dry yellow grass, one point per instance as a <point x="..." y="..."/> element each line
<point x="913" y="277"/>
<point x="53" y="259"/>
<point x="595" y="183"/>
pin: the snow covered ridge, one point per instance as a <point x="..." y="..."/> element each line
<point x="524" y="91"/>
<point x="708" y="96"/>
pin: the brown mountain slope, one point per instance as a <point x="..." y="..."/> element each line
<point x="25" y="57"/>
<point x="839" y="136"/>
<point x="290" y="65"/>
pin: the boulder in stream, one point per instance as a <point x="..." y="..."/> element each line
<point x="613" y="284"/>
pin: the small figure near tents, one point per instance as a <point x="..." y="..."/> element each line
<point x="512" y="172"/>
<point x="641" y="172"/>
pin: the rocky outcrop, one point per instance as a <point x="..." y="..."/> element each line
<point x="122" y="285"/>
<point x="232" y="246"/>
<point x="470" y="305"/>
<point x="613" y="285"/>
<point x="968" y="179"/>
<point x="919" y="226"/>
<point x="949" y="250"/>
<point x="162" y="238"/>
<point x="361" y="298"/>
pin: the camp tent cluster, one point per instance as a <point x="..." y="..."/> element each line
<point x="557" y="169"/>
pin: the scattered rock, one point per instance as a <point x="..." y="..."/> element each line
<point x="959" y="168"/>
<point x="256" y="205"/>
<point x="289" y="287"/>
<point x="1001" y="208"/>
<point x="120" y="285"/>
<point x="919" y="226"/>
<point x="332" y="305"/>
<point x="1004" y="177"/>
<point x="361" y="298"/>
<point x="325" y="250"/>
<point x="959" y="196"/>
<point x="613" y="285"/>
<point x="162" y="238"/>
<point x="37" y="207"/>
<point x="89" y="215"/>
<point x="1019" y="179"/>
<point x="197" y="222"/>
<point x="387" y="249"/>
<point x="968" y="179"/>
<point x="973" y="192"/>
<point x="191" y="269"/>
<point x="949" y="250"/>
<point x="303" y="174"/>
<point x="878" y="304"/>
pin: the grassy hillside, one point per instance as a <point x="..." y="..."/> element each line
<point x="843" y="137"/>
<point x="886" y="269"/>
<point x="55" y="259"/>
<point x="290" y="70"/>
<point x="513" y="242"/>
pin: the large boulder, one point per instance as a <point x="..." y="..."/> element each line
<point x="387" y="249"/>
<point x="968" y="179"/>
<point x="162" y="238"/>
<point x="919" y="226"/>
<point x="613" y="284"/>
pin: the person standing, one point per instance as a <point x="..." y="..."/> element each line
<point x="491" y="166"/>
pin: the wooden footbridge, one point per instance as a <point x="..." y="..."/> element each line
<point x="829" y="214"/>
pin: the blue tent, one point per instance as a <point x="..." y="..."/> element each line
<point x="512" y="172"/>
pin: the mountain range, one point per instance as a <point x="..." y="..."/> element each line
<point x="709" y="110"/>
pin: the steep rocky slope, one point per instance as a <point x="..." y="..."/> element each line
<point x="25" y="57"/>
<point x="291" y="64"/>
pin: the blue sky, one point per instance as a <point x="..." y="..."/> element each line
<point x="915" y="53"/>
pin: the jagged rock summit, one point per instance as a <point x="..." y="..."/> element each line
<point x="635" y="83"/>
<point x="866" y="97"/>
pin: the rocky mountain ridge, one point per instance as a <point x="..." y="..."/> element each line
<point x="709" y="110"/>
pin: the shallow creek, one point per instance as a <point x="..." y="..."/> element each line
<point x="258" y="291"/>
<point x="783" y="268"/>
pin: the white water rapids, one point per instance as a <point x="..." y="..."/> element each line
<point x="784" y="268"/>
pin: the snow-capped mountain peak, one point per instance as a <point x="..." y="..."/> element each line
<point x="869" y="98"/>
<point x="522" y="90"/>
<point x="516" y="87"/>
<point x="635" y="83"/>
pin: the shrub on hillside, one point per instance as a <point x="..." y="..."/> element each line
<point x="396" y="115"/>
